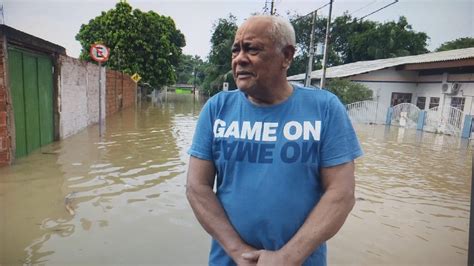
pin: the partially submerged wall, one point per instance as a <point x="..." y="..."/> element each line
<point x="79" y="95"/>
<point x="120" y="91"/>
<point x="5" y="138"/>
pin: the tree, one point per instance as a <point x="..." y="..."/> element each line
<point x="189" y="67"/>
<point x="387" y="40"/>
<point x="348" y="91"/>
<point x="140" y="42"/>
<point x="353" y="40"/>
<point x="302" y="26"/>
<point x="219" y="68"/>
<point x="460" y="43"/>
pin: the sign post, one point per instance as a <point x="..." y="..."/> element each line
<point x="100" y="53"/>
<point x="136" y="78"/>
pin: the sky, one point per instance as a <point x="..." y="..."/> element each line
<point x="58" y="21"/>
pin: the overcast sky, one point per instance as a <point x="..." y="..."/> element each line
<point x="58" y="21"/>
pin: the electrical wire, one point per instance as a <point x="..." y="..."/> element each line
<point x="321" y="7"/>
<point x="369" y="4"/>
<point x="394" y="2"/>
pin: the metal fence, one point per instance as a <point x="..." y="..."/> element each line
<point x="448" y="121"/>
<point x="367" y="112"/>
<point x="405" y="115"/>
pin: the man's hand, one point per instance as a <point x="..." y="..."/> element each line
<point x="270" y="258"/>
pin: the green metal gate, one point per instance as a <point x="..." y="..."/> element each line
<point x="31" y="85"/>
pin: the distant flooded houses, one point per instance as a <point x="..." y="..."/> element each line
<point x="433" y="92"/>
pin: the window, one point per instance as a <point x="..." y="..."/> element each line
<point x="421" y="102"/>
<point x="458" y="102"/>
<point x="398" y="98"/>
<point x="434" y="102"/>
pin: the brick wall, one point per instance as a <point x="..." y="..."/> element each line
<point x="5" y="113"/>
<point x="120" y="91"/>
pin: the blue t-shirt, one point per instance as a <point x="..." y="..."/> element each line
<point x="268" y="162"/>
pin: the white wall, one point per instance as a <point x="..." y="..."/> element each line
<point x="386" y="81"/>
<point x="78" y="95"/>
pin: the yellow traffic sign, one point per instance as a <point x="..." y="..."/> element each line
<point x="135" y="77"/>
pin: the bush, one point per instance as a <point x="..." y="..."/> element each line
<point x="348" y="91"/>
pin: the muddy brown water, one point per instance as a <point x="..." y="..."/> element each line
<point x="120" y="199"/>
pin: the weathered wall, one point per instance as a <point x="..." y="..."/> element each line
<point x="5" y="112"/>
<point x="79" y="95"/>
<point x="120" y="91"/>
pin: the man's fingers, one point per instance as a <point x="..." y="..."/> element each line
<point x="252" y="255"/>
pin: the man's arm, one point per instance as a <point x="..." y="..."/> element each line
<point x="324" y="221"/>
<point x="209" y="211"/>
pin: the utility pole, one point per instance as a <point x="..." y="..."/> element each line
<point x="470" y="250"/>
<point x="272" y="11"/>
<point x="2" y="20"/>
<point x="309" y="69"/>
<point x="326" y="44"/>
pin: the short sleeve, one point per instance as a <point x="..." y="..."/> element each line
<point x="203" y="136"/>
<point x="339" y="140"/>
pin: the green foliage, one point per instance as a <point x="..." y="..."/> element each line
<point x="188" y="66"/>
<point x="355" y="40"/>
<point x="219" y="66"/>
<point x="140" y="42"/>
<point x="348" y="91"/>
<point x="460" y="43"/>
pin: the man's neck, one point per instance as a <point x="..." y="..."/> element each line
<point x="273" y="96"/>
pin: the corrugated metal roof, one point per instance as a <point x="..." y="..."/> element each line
<point x="367" y="66"/>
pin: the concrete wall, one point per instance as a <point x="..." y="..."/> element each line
<point x="5" y="111"/>
<point x="79" y="95"/>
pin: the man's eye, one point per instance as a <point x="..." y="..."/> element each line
<point x="253" y="50"/>
<point x="235" y="51"/>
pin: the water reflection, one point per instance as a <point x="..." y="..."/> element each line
<point x="120" y="199"/>
<point x="109" y="200"/>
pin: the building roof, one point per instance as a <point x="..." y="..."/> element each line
<point x="368" y="66"/>
<point x="25" y="40"/>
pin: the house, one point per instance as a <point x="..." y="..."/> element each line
<point x="440" y="82"/>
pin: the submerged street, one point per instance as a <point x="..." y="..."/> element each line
<point x="120" y="199"/>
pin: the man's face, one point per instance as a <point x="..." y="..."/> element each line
<point x="256" y="62"/>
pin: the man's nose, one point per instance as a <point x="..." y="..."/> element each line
<point x="241" y="58"/>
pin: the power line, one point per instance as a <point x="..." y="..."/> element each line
<point x="272" y="7"/>
<point x="265" y="8"/>
<point x="310" y="13"/>
<point x="369" y="4"/>
<point x="396" y="1"/>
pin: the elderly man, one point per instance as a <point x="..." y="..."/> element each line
<point x="281" y="155"/>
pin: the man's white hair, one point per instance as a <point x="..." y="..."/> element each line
<point x="282" y="32"/>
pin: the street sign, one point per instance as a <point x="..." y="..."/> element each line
<point x="135" y="77"/>
<point x="99" y="53"/>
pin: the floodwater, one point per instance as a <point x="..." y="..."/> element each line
<point x="121" y="199"/>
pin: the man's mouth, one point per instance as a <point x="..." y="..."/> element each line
<point x="244" y="74"/>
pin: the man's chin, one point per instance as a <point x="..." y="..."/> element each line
<point x="244" y="86"/>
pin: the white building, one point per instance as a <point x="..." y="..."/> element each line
<point x="437" y="81"/>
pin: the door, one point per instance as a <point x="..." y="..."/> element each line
<point x="31" y="85"/>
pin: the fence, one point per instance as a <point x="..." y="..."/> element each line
<point x="368" y="112"/>
<point x="405" y="115"/>
<point x="449" y="121"/>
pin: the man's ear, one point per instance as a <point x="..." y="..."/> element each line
<point x="288" y="53"/>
